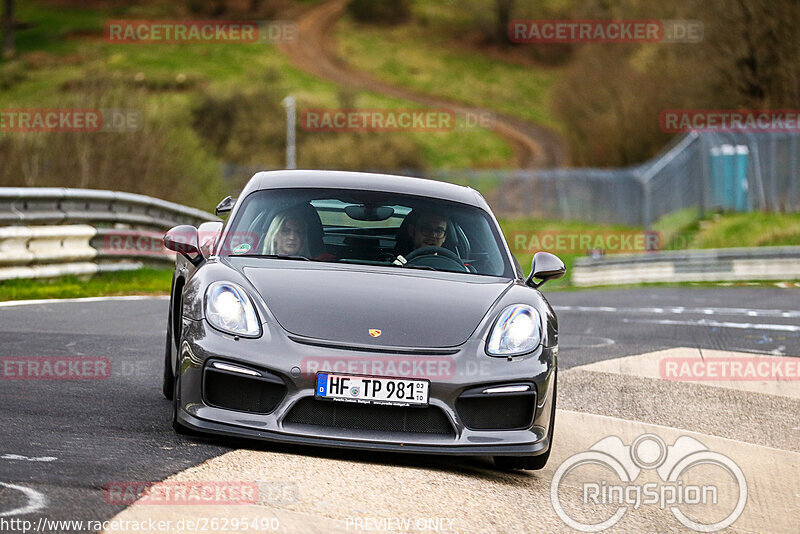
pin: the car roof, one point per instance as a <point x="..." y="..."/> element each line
<point x="364" y="181"/>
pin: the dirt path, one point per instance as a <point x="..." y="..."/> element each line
<point x="315" y="52"/>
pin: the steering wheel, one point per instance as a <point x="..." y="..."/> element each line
<point x="431" y="256"/>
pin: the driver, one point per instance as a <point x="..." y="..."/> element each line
<point x="424" y="229"/>
<point x="429" y="230"/>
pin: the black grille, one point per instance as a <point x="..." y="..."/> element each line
<point x="496" y="411"/>
<point x="430" y="420"/>
<point x="232" y="391"/>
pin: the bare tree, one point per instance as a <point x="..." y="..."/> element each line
<point x="8" y="28"/>
<point x="754" y="45"/>
<point x="503" y="10"/>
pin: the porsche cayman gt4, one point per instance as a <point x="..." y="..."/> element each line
<point x="364" y="311"/>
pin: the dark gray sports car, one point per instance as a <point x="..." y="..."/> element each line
<point x="365" y="311"/>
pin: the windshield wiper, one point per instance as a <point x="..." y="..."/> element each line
<point x="278" y="257"/>
<point x="425" y="267"/>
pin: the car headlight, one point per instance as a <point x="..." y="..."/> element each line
<point x="228" y="308"/>
<point x="517" y="331"/>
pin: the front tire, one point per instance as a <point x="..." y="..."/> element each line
<point x="532" y="463"/>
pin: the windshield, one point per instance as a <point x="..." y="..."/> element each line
<point x="367" y="228"/>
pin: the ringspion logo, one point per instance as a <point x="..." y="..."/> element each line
<point x="606" y="478"/>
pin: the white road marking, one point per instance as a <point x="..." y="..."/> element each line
<point x="603" y="342"/>
<point x="718" y="324"/>
<point x="13" y="303"/>
<point x="651" y="365"/>
<point x="28" y="459"/>
<point x="783" y="314"/>
<point x="36" y="501"/>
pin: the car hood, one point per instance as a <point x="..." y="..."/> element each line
<point x="414" y="309"/>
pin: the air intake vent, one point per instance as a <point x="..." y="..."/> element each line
<point x="430" y="420"/>
<point x="241" y="392"/>
<point x="496" y="411"/>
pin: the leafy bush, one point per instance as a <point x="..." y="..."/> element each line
<point x="243" y="128"/>
<point x="250" y="130"/>
<point x="359" y="151"/>
<point x="159" y="152"/>
<point x="380" y="11"/>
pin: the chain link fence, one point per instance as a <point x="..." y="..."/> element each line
<point x="706" y="171"/>
<point x="730" y="171"/>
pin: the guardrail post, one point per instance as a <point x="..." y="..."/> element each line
<point x="646" y="204"/>
<point x="794" y="174"/>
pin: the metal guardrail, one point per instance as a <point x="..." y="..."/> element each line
<point x="708" y="265"/>
<point x="47" y="232"/>
<point x="58" y="205"/>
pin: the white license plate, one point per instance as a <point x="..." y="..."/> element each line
<point x="372" y="390"/>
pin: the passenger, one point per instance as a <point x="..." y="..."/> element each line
<point x="287" y="235"/>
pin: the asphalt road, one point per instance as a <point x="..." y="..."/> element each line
<point x="597" y="325"/>
<point x="67" y="439"/>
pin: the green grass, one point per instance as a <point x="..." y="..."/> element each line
<point x="523" y="251"/>
<point x="679" y="230"/>
<point x="685" y="229"/>
<point x="141" y="282"/>
<point x="421" y="58"/>
<point x="748" y="230"/>
<point x="675" y="228"/>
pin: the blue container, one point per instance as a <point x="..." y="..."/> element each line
<point x="729" y="187"/>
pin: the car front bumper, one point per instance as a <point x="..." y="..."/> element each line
<point x="295" y="363"/>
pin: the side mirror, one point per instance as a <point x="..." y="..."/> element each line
<point x="183" y="240"/>
<point x="208" y="235"/>
<point x="226" y="205"/>
<point x="545" y="266"/>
